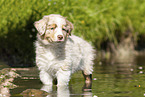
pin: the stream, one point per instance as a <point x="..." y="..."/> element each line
<point x="122" y="77"/>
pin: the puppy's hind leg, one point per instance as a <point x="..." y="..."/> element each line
<point x="88" y="78"/>
<point x="88" y="82"/>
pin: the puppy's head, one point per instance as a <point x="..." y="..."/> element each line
<point x="53" y="28"/>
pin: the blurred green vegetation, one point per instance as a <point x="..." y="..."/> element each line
<point x="98" y="21"/>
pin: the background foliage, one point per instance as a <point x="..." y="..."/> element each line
<point x="98" y="21"/>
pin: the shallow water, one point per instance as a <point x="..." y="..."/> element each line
<point x="123" y="77"/>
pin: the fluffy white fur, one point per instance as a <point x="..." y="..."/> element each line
<point x="61" y="59"/>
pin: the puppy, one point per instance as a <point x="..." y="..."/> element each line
<point x="58" y="53"/>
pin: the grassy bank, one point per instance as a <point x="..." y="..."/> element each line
<point x="103" y="22"/>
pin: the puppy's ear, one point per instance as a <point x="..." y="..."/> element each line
<point x="70" y="27"/>
<point x="41" y="25"/>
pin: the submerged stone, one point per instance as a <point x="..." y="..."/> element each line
<point x="34" y="92"/>
<point x="7" y="76"/>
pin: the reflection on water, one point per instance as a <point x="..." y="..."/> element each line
<point x="62" y="91"/>
<point x="120" y="77"/>
<point x="111" y="78"/>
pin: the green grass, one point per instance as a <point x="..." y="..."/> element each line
<point x="97" y="21"/>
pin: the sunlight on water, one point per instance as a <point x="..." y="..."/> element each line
<point x="111" y="78"/>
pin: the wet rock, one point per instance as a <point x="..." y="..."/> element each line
<point x="7" y="76"/>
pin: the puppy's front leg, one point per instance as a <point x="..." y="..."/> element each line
<point x="45" y="78"/>
<point x="63" y="77"/>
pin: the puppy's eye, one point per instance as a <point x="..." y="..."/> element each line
<point x="64" y="29"/>
<point x="52" y="28"/>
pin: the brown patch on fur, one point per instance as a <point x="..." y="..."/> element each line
<point x="49" y="36"/>
<point x="69" y="27"/>
<point x="52" y="27"/>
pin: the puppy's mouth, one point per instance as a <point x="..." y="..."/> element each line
<point x="60" y="40"/>
<point x="50" y="40"/>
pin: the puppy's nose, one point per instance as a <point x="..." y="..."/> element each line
<point x="60" y="37"/>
